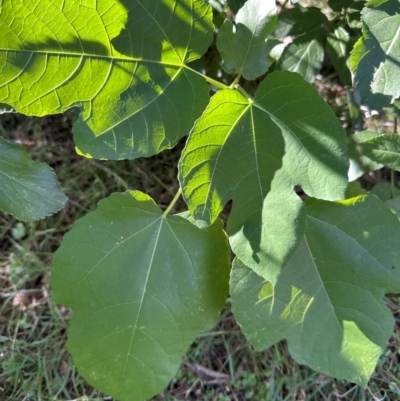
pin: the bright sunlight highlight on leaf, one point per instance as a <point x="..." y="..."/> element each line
<point x="122" y="63"/>
<point x="328" y="302"/>
<point x="255" y="152"/>
<point x="375" y="60"/>
<point x="141" y="286"/>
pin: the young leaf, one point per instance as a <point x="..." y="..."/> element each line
<point x="255" y="152"/>
<point x="141" y="286"/>
<point x="243" y="46"/>
<point x="29" y="190"/>
<point x="360" y="163"/>
<point x="328" y="302"/>
<point x="384" y="149"/>
<point x="304" y="55"/>
<point x="122" y="63"/>
<point x="375" y="60"/>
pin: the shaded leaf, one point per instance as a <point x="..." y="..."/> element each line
<point x="360" y="163"/>
<point x="243" y="46"/>
<point x="255" y="152"/>
<point x="384" y="149"/>
<point x="375" y="59"/>
<point x="298" y="21"/>
<point x="385" y="191"/>
<point x="304" y="55"/>
<point x="338" y="46"/>
<point x="328" y="302"/>
<point x="235" y="5"/>
<point x="394" y="204"/>
<point x="122" y="63"/>
<point x="29" y="190"/>
<point x="141" y="286"/>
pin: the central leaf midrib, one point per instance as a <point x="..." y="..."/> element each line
<point x="143" y="295"/>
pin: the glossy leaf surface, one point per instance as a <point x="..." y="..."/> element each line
<point x="243" y="45"/>
<point x="328" y="302"/>
<point x="255" y="152"/>
<point x="141" y="286"/>
<point x="375" y="60"/>
<point x="122" y="63"/>
<point x="29" y="190"/>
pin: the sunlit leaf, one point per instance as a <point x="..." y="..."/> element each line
<point x="141" y="286"/>
<point x="243" y="45"/>
<point x="255" y="152"/>
<point x="375" y="60"/>
<point x="121" y="62"/>
<point x="328" y="302"/>
<point x="29" y="190"/>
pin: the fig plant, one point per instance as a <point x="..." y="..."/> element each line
<point x="142" y="282"/>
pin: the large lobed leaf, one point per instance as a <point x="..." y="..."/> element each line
<point x="29" y="190"/>
<point x="328" y="302"/>
<point x="141" y="286"/>
<point x="243" y="45"/>
<point x="254" y="152"/>
<point x="375" y="60"/>
<point x="122" y="63"/>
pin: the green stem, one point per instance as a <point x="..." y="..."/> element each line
<point x="243" y="92"/>
<point x="211" y="81"/>
<point x="392" y="182"/>
<point x="172" y="204"/>
<point x="236" y="81"/>
<point x="395" y="125"/>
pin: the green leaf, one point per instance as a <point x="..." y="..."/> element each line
<point x="385" y="191"/>
<point x="360" y="163"/>
<point x="328" y="302"/>
<point x="338" y="46"/>
<point x="235" y="5"/>
<point x="243" y="46"/>
<point x="394" y="205"/>
<point x="141" y="286"/>
<point x="122" y="63"/>
<point x="304" y="55"/>
<point x="254" y="152"/>
<point x="298" y="21"/>
<point x="375" y="60"/>
<point x="29" y="190"/>
<point x="384" y="149"/>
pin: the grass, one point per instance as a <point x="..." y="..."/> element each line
<point x="220" y="366"/>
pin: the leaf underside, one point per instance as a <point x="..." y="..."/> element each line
<point x="328" y="302"/>
<point x="255" y="152"/>
<point x="122" y="63"/>
<point x="141" y="286"/>
<point x="29" y="190"/>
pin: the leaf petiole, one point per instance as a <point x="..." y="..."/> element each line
<point x="172" y="204"/>
<point x="243" y="92"/>
<point x="211" y="81"/>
